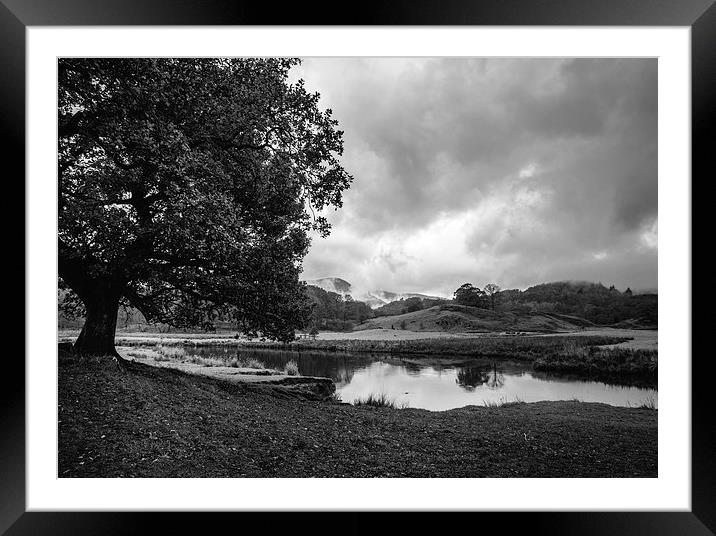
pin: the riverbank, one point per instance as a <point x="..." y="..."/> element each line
<point x="307" y="387"/>
<point x="623" y="338"/>
<point x="522" y="346"/>
<point x="606" y="355"/>
<point x="159" y="422"/>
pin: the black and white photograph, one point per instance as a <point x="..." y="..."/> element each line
<point x="384" y="267"/>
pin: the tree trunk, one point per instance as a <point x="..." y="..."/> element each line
<point x="97" y="335"/>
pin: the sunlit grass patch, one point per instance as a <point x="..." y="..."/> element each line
<point x="143" y="353"/>
<point x="169" y="352"/>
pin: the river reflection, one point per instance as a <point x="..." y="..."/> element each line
<point x="470" y="378"/>
<point x="438" y="386"/>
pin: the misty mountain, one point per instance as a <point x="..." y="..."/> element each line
<point x="331" y="284"/>
<point x="374" y="298"/>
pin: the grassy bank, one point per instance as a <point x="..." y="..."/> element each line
<point x="525" y="348"/>
<point x="568" y="354"/>
<point x="601" y="362"/>
<point x="517" y="346"/>
<point x="583" y="355"/>
<point x="154" y="422"/>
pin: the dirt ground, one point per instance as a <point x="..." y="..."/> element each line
<point x="159" y="422"/>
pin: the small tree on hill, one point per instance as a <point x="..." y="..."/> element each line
<point x="491" y="289"/>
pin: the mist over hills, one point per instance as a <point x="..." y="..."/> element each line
<point x="377" y="298"/>
<point x="373" y="298"/>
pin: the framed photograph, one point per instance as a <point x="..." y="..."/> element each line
<point x="411" y="260"/>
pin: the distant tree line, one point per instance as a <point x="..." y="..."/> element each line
<point x="592" y="301"/>
<point x="331" y="311"/>
<point x="473" y="296"/>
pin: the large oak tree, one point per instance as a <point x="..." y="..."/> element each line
<point x="188" y="188"/>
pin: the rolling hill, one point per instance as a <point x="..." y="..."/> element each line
<point x="461" y="318"/>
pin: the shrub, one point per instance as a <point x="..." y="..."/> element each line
<point x="291" y="368"/>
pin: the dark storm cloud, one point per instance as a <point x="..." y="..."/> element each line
<point x="543" y="161"/>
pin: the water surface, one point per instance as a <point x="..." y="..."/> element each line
<point x="438" y="386"/>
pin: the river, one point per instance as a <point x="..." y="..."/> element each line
<point x="420" y="383"/>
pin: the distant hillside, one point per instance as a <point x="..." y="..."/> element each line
<point x="591" y="301"/>
<point x="461" y="318"/>
<point x="408" y="305"/>
<point x="545" y="307"/>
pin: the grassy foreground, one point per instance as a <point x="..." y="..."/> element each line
<point x="154" y="422"/>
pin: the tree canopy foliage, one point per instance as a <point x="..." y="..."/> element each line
<point x="470" y="295"/>
<point x="188" y="188"/>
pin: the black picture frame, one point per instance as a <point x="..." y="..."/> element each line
<point x="699" y="15"/>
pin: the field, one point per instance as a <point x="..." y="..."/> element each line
<point x="158" y="422"/>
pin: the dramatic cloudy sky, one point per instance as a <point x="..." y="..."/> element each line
<point x="514" y="171"/>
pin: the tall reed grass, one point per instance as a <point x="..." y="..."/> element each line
<point x="379" y="400"/>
